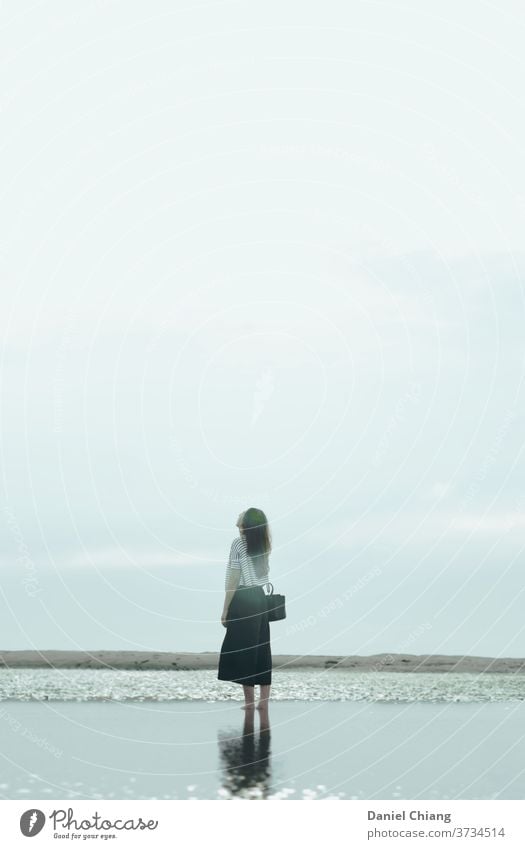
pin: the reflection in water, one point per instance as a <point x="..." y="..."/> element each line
<point x="245" y="759"/>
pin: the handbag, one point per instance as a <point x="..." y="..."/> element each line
<point x="275" y="604"/>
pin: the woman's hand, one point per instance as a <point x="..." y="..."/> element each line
<point x="224" y="618"/>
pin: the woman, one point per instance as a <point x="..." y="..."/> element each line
<point x="246" y="656"/>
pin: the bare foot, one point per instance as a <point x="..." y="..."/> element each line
<point x="262" y="706"/>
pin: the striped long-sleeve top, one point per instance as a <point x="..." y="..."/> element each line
<point x="240" y="563"/>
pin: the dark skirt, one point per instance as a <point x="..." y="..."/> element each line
<point x="246" y="656"/>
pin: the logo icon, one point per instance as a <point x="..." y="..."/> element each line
<point x="264" y="388"/>
<point x="32" y="822"/>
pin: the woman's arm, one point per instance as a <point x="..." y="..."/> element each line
<point x="233" y="576"/>
<point x="232" y="583"/>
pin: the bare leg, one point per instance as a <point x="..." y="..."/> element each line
<point x="264" y="696"/>
<point x="248" y="722"/>
<point x="249" y="696"/>
<point x="264" y="719"/>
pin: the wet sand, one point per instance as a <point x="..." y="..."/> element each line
<point x="209" y="660"/>
<point x="322" y="750"/>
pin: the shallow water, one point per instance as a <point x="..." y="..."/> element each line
<point x="334" y="734"/>
<point x="311" y="750"/>
<point x="298" y="684"/>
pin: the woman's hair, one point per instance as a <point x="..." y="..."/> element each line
<point x="258" y="538"/>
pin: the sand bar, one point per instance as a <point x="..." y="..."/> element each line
<point x="98" y="659"/>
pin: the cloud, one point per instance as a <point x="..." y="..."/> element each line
<point x="490" y="524"/>
<point x="417" y="526"/>
<point x="439" y="490"/>
<point x="119" y="558"/>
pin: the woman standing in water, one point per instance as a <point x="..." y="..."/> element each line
<point x="246" y="656"/>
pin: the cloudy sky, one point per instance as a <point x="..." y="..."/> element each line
<point x="263" y="255"/>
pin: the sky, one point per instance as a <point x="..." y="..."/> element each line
<point x="263" y="255"/>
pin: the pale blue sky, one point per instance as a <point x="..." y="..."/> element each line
<point x="263" y="256"/>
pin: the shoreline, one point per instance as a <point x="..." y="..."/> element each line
<point x="184" y="661"/>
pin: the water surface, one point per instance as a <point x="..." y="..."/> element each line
<point x="293" y="684"/>
<point x="102" y="734"/>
